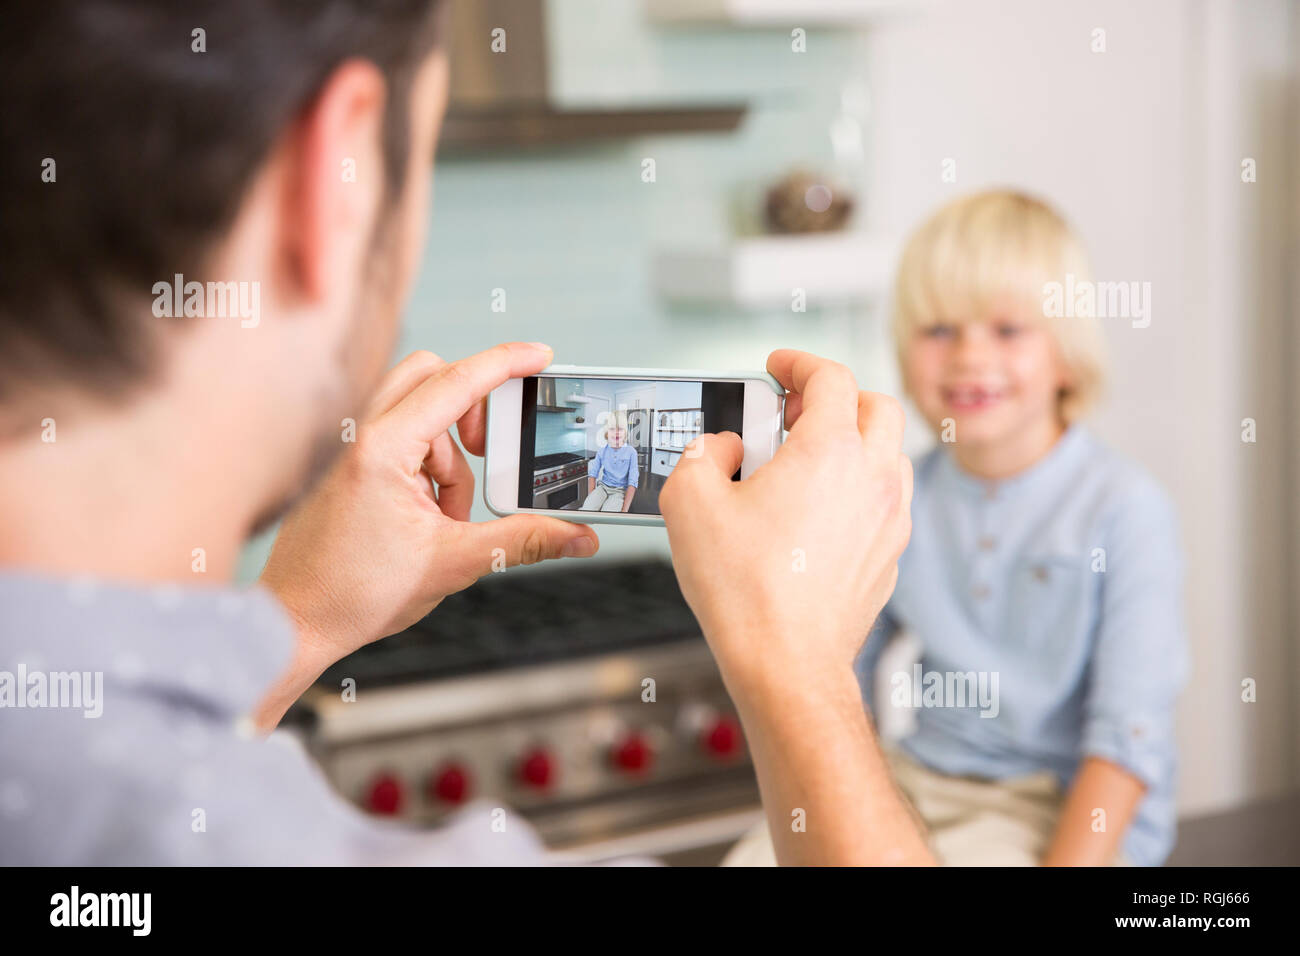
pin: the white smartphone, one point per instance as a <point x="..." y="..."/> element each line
<point x="596" y="444"/>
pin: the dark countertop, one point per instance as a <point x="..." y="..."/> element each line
<point x="1263" y="833"/>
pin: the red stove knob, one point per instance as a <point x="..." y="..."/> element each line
<point x="722" y="738"/>
<point x="633" y="754"/>
<point x="537" y="768"/>
<point x="449" y="783"/>
<point x="386" y="795"/>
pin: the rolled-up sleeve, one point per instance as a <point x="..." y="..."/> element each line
<point x="593" y="468"/>
<point x="1139" y="661"/>
<point x="633" y="470"/>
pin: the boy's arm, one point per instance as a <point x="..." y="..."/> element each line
<point x="1085" y="837"/>
<point x="1138" y="666"/>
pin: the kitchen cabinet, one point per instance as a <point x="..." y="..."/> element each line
<point x="664" y="461"/>
<point x="674" y="428"/>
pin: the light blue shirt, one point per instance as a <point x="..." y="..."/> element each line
<point x="1066" y="582"/>
<point x="163" y="769"/>
<point x="619" y="466"/>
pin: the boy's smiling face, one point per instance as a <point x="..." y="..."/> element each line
<point x="998" y="379"/>
<point x="616" y="437"/>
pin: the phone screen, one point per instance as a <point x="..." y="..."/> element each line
<point x="608" y="444"/>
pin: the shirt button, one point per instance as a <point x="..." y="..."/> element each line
<point x="1041" y="573"/>
<point x="979" y="592"/>
<point x="987" y="543"/>
<point x="990" y="492"/>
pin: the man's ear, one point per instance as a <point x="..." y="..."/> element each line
<point x="335" y="179"/>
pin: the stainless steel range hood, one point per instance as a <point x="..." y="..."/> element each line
<point x="549" y="397"/>
<point x="501" y="101"/>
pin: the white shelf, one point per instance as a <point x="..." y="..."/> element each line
<point x="765" y="271"/>
<point x="773" y="12"/>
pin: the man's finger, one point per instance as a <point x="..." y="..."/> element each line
<point x="398" y="382"/>
<point x="827" y="389"/>
<point x="525" y="539"/>
<point x="709" y="460"/>
<point x="472" y="428"/>
<point x="793" y="406"/>
<point x="452" y="476"/>
<point x="880" y="422"/>
<point x="445" y="396"/>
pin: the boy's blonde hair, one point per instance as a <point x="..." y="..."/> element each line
<point x="617" y="420"/>
<point x="990" y="253"/>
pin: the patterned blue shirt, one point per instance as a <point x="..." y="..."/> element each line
<point x="1065" y="582"/>
<point x="619" y="465"/>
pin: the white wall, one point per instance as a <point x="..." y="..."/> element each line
<point x="1141" y="147"/>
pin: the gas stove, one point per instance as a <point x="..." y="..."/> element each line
<point x="546" y="462"/>
<point x="558" y="481"/>
<point x="585" y="698"/>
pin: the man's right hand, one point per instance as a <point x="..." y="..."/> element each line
<point x="805" y="551"/>
<point x="786" y="571"/>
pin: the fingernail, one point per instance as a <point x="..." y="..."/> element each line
<point x="540" y="345"/>
<point x="583" y="547"/>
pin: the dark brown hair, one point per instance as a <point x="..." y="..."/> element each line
<point x="154" y="145"/>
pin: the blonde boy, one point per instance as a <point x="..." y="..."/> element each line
<point x="614" y="474"/>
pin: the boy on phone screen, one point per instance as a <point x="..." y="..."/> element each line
<point x="613" y="474"/>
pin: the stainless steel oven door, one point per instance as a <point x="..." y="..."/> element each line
<point x="568" y="494"/>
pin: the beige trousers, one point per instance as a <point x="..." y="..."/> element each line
<point x="604" y="498"/>
<point x="971" y="822"/>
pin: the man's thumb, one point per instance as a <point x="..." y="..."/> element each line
<point x="528" y="539"/>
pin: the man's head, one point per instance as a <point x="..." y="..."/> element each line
<point x="269" y="149"/>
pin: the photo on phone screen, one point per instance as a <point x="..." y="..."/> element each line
<point x="608" y="444"/>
